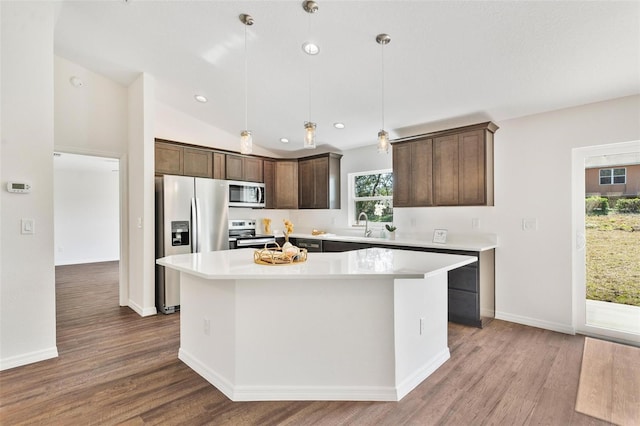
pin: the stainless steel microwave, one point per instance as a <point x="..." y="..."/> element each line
<point x="246" y="194"/>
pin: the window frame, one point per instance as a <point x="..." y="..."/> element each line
<point x="612" y="176"/>
<point x="351" y="211"/>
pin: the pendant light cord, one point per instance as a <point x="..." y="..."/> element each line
<point x="382" y="73"/>
<point x="246" y="96"/>
<point x="309" y="69"/>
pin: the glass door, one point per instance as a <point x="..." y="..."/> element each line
<point x="606" y="283"/>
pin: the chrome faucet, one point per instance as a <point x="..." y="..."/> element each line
<point x="367" y="231"/>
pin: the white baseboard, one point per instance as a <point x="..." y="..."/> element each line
<point x="288" y="393"/>
<point x="83" y="261"/>
<point x="220" y="382"/>
<point x="533" y="322"/>
<point x="422" y="373"/>
<point x="143" y="312"/>
<point x="315" y="393"/>
<point x="28" y="358"/>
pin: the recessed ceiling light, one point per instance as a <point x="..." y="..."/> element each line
<point x="310" y="48"/>
<point x="201" y="98"/>
<point x="284" y="140"/>
<point x="338" y="125"/>
<point x="76" y="81"/>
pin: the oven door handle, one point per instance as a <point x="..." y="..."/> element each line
<point x="254" y="241"/>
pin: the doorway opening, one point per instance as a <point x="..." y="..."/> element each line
<point x="605" y="267"/>
<point x="87" y="212"/>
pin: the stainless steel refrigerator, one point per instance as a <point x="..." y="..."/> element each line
<point x="192" y="216"/>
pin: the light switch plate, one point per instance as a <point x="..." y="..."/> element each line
<point x="27" y="227"/>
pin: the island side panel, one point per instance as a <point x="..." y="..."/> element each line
<point x="487" y="285"/>
<point x="315" y="339"/>
<point x="208" y="329"/>
<point x="420" y="329"/>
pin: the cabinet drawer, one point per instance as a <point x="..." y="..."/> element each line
<point x="465" y="278"/>
<point x="339" y="246"/>
<point x="310" y="244"/>
<point x="464" y="307"/>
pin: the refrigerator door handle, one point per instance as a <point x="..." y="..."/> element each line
<point x="194" y="226"/>
<point x="198" y="227"/>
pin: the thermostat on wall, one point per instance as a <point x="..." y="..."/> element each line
<point x="19" y="187"/>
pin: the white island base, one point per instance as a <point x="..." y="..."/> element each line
<point x="368" y="325"/>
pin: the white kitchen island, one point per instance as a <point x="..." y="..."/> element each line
<point x="361" y="325"/>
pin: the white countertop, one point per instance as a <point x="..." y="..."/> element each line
<point x="238" y="264"/>
<point x="466" y="243"/>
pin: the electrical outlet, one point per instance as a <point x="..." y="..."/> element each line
<point x="529" y="224"/>
<point x="206" y="326"/>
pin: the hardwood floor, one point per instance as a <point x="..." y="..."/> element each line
<point x="118" y="368"/>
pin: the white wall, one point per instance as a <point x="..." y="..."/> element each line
<point x="533" y="177"/>
<point x="141" y="196"/>
<point x="27" y="278"/>
<point x="86" y="214"/>
<point x="91" y="119"/>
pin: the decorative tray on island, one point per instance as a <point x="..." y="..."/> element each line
<point x="285" y="255"/>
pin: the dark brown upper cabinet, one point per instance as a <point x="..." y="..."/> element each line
<point x="412" y="174"/>
<point x="244" y="168"/>
<point x="198" y="162"/>
<point x="169" y="159"/>
<point x="447" y="168"/>
<point x="319" y="181"/>
<point x="281" y="184"/>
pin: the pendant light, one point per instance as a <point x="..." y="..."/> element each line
<point x="383" y="136"/>
<point x="310" y="7"/>
<point x="246" y="140"/>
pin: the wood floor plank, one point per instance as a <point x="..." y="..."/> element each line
<point x="115" y="367"/>
<point x="626" y="383"/>
<point x="596" y="380"/>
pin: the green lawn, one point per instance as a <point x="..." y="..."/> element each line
<point x="613" y="258"/>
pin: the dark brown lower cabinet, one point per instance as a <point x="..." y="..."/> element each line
<point x="471" y="288"/>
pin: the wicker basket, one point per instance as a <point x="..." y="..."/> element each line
<point x="275" y="255"/>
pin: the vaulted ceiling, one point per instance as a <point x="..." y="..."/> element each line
<point x="467" y="61"/>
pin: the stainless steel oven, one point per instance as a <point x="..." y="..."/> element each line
<point x="246" y="194"/>
<point x="242" y="234"/>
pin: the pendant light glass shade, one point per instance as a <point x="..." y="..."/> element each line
<point x="246" y="142"/>
<point x="309" y="135"/>
<point x="383" y="142"/>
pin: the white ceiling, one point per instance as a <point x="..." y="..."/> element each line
<point x="466" y="61"/>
